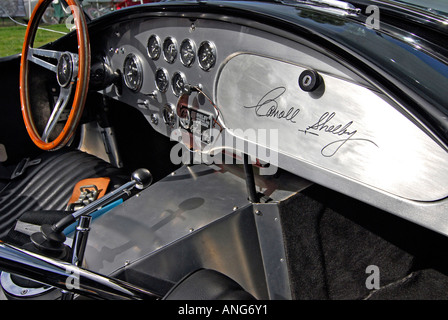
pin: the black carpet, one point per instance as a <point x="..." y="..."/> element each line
<point x="332" y="240"/>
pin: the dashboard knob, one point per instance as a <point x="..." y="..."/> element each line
<point x="310" y="80"/>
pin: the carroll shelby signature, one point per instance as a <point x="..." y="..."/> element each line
<point x="343" y="131"/>
<point x="268" y="106"/>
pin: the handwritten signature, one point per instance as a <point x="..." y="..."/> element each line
<point x="268" y="106"/>
<point x="343" y="131"/>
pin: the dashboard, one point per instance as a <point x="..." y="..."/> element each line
<point x="161" y="59"/>
<point x="279" y="98"/>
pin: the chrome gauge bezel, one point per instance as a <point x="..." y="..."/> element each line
<point x="133" y="79"/>
<point x="154" y="44"/>
<point x="187" y="45"/>
<point x="212" y="52"/>
<point x="162" y="84"/>
<point x="169" y="49"/>
<point x="179" y="88"/>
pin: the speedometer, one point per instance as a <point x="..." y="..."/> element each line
<point x="133" y="72"/>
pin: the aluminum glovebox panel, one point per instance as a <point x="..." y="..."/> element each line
<point x="343" y="127"/>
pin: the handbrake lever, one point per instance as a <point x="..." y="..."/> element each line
<point x="51" y="238"/>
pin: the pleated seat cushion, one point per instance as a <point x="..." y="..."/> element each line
<point x="49" y="184"/>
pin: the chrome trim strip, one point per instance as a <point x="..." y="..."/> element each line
<point x="66" y="276"/>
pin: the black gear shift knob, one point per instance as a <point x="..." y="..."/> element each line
<point x="142" y="177"/>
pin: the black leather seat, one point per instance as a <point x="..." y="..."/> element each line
<point x="47" y="185"/>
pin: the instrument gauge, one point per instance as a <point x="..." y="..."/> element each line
<point x="207" y="55"/>
<point x="162" y="80"/>
<point x="133" y="72"/>
<point x="179" y="83"/>
<point x="170" y="49"/>
<point x="187" y="52"/>
<point x="154" y="47"/>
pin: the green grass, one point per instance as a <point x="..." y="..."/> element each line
<point x="11" y="38"/>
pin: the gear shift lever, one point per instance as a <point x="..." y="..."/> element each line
<point x="51" y="238"/>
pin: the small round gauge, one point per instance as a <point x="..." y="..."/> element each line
<point x="207" y="55"/>
<point x="170" y="49"/>
<point x="169" y="115"/>
<point x="179" y="83"/>
<point x="162" y="80"/>
<point x="133" y="72"/>
<point x="154" y="47"/>
<point x="187" y="52"/>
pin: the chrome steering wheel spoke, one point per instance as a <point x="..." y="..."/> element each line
<point x="35" y="53"/>
<point x="61" y="103"/>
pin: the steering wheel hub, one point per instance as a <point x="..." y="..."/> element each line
<point x="65" y="70"/>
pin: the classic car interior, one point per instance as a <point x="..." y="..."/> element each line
<point x="243" y="154"/>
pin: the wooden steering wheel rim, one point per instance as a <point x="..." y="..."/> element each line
<point x="82" y="83"/>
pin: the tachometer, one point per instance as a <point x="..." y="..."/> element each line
<point x="187" y="52"/>
<point x="170" y="49"/>
<point x="133" y="72"/>
<point x="154" y="47"/>
<point x="162" y="79"/>
<point x="207" y="55"/>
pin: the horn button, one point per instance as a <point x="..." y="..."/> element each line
<point x="65" y="70"/>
